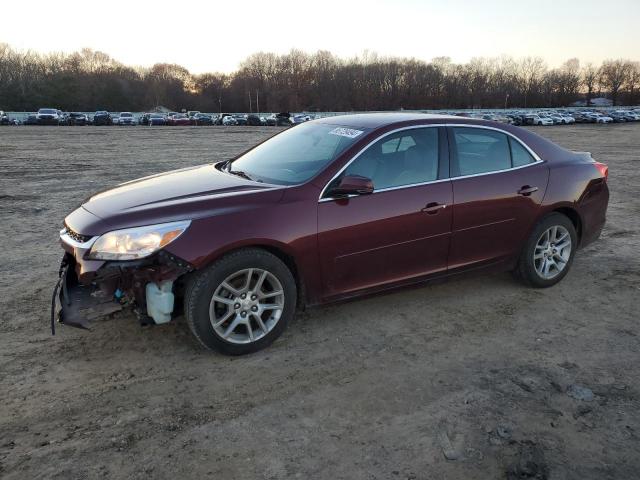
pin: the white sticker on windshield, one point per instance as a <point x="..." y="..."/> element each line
<point x="346" y="132"/>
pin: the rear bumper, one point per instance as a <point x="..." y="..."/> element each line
<point x="593" y="209"/>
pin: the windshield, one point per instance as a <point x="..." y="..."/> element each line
<point x="126" y="114"/>
<point x="49" y="111"/>
<point x="297" y="154"/>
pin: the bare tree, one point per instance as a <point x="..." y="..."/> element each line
<point x="589" y="76"/>
<point x="531" y="72"/>
<point x="633" y="83"/>
<point x="299" y="81"/>
<point x="613" y="75"/>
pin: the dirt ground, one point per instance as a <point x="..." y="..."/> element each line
<point x="471" y="378"/>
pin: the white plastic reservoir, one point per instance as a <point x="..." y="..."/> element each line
<point x="160" y="301"/>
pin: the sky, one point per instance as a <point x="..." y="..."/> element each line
<point x="216" y="35"/>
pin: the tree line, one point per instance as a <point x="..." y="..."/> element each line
<point x="89" y="80"/>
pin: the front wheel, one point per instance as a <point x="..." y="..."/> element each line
<point x="548" y="252"/>
<point x="241" y="303"/>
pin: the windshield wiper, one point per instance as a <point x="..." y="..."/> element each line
<point x="240" y="173"/>
<point x="226" y="167"/>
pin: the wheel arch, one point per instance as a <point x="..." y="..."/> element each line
<point x="574" y="216"/>
<point x="278" y="250"/>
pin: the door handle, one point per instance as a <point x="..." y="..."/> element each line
<point x="433" y="208"/>
<point x="527" y="190"/>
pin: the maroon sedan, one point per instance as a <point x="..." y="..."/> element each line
<point x="178" y="119"/>
<point x="328" y="210"/>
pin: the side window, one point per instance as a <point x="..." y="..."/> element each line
<point x="402" y="158"/>
<point x="519" y="155"/>
<point x="480" y="151"/>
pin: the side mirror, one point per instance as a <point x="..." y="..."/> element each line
<point x="352" y="185"/>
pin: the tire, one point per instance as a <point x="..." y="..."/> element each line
<point x="528" y="268"/>
<point x="200" y="304"/>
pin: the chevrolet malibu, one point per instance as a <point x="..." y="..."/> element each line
<point x="325" y="211"/>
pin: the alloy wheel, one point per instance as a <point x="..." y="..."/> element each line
<point x="247" y="305"/>
<point x="552" y="252"/>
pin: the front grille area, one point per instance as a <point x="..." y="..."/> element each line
<point x="77" y="236"/>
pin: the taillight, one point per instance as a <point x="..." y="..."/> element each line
<point x="603" y="168"/>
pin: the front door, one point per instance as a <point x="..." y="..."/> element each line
<point x="400" y="231"/>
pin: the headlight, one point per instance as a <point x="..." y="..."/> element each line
<point x="134" y="243"/>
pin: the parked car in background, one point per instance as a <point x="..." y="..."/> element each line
<point x="240" y="119"/>
<point x="5" y="120"/>
<point x="297" y="119"/>
<point x="31" y="119"/>
<point x="283" y="119"/>
<point x="126" y="118"/>
<point x="618" y="117"/>
<point x="76" y="118"/>
<point x="628" y="115"/>
<point x="178" y="119"/>
<point x="515" y="119"/>
<point x="600" y="118"/>
<point x="580" y="117"/>
<point x="533" y="119"/>
<point x="49" y="116"/>
<point x="202" y="119"/>
<point x="229" y="120"/>
<point x="102" y="117"/>
<point x="192" y="114"/>
<point x="220" y="118"/>
<point x="371" y="202"/>
<point x="555" y="120"/>
<point x="563" y="119"/>
<point x="253" y="120"/>
<point x="157" y="119"/>
<point x="143" y="119"/>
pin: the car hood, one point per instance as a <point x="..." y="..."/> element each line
<point x="190" y="193"/>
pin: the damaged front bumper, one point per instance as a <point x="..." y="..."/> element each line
<point x="87" y="290"/>
<point x="75" y="304"/>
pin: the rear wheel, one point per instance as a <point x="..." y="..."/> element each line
<point x="241" y="303"/>
<point x="549" y="251"/>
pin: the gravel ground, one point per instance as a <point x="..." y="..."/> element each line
<point x="476" y="378"/>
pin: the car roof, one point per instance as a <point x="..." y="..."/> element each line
<point x="377" y="120"/>
<point x="374" y="122"/>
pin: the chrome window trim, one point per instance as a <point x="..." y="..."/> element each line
<point x="461" y="125"/>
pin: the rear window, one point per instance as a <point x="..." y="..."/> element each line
<point x="520" y="156"/>
<point x="482" y="151"/>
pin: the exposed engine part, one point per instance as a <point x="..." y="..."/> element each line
<point x="160" y="301"/>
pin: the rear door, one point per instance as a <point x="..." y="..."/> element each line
<point x="402" y="229"/>
<point x="498" y="185"/>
